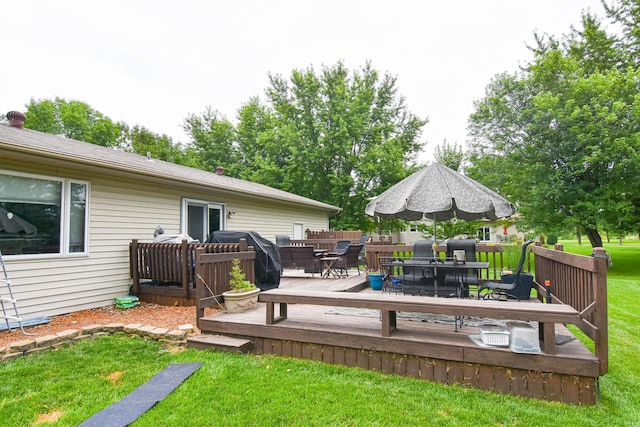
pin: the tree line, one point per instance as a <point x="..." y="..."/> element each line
<point x="336" y="136"/>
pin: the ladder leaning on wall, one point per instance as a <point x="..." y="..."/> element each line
<point x="8" y="299"/>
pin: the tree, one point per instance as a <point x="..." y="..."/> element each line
<point x="334" y="136"/>
<point x="562" y="136"/>
<point x="141" y="140"/>
<point x="72" y="119"/>
<point x="212" y="142"/>
<point x="449" y="155"/>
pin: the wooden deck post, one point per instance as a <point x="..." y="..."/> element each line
<point x="133" y="265"/>
<point x="601" y="314"/>
<point x="200" y="293"/>
<point x="184" y="268"/>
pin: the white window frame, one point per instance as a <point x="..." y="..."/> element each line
<point x="65" y="220"/>
<point x="298" y="227"/>
<point x="490" y="232"/>
<point x="209" y="205"/>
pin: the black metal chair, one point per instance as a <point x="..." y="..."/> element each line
<point x="521" y="282"/>
<point x="283" y="240"/>
<point x="362" y="260"/>
<point x="418" y="279"/>
<point x="461" y="278"/>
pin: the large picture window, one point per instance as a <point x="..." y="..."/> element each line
<point x="41" y="215"/>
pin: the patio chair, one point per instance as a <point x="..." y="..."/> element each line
<point x="283" y="240"/>
<point x="341" y="247"/>
<point x="464" y="277"/>
<point x="300" y="257"/>
<point x="418" y="279"/>
<point x="348" y="260"/>
<point x="362" y="260"/>
<point x="514" y="286"/>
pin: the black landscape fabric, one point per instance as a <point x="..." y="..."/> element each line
<point x="267" y="265"/>
<point x="143" y="398"/>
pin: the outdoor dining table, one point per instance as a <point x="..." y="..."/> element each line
<point x="457" y="266"/>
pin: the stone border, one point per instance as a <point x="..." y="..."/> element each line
<point x="48" y="342"/>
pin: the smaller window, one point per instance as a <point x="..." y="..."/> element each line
<point x="484" y="234"/>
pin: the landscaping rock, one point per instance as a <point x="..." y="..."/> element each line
<point x="68" y="334"/>
<point x="21" y="346"/>
<point x="46" y="341"/>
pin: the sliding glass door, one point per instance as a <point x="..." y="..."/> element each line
<point x="201" y="218"/>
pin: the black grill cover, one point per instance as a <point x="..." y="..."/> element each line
<point x="267" y="265"/>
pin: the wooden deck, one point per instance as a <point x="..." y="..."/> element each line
<point x="426" y="350"/>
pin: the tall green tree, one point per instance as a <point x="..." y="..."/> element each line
<point x="449" y="155"/>
<point x="336" y="136"/>
<point x="140" y="140"/>
<point x="212" y="142"/>
<point x="561" y="137"/>
<point x="72" y="119"/>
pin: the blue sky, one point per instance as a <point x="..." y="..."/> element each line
<point x="155" y="62"/>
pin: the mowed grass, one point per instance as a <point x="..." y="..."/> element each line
<point x="64" y="387"/>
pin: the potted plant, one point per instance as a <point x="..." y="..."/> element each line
<point x="376" y="278"/>
<point x="243" y="294"/>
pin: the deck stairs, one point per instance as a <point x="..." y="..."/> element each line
<point x="219" y="343"/>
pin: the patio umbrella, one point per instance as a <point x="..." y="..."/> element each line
<point x="11" y="223"/>
<point x="439" y="194"/>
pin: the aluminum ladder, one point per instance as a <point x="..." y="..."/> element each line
<point x="5" y="283"/>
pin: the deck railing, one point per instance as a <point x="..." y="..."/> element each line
<point x="173" y="263"/>
<point x="334" y="234"/>
<point x="576" y="280"/>
<point x="376" y="254"/>
<point x="213" y="274"/>
<point x="329" y="244"/>
<point x="581" y="282"/>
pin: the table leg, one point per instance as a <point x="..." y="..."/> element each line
<point x="271" y="319"/>
<point x="329" y="268"/>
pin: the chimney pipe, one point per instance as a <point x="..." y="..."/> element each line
<point x="16" y="119"/>
<point x="219" y="170"/>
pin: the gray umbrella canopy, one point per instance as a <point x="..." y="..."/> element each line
<point x="11" y="223"/>
<point x="439" y="194"/>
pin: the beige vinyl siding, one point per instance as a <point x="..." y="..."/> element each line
<point x="121" y="210"/>
<point x="270" y="219"/>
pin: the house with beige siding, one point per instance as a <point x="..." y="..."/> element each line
<point x="71" y="209"/>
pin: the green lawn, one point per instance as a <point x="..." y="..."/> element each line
<point x="72" y="384"/>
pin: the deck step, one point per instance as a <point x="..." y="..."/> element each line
<point x="219" y="343"/>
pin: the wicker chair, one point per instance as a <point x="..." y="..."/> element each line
<point x="348" y="260"/>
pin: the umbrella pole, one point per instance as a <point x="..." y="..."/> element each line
<point x="434" y="229"/>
